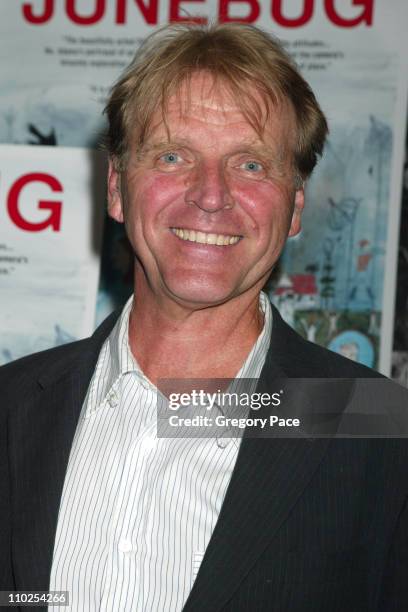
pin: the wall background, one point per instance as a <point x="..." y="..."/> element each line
<point x="336" y="283"/>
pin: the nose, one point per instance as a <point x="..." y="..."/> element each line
<point x="209" y="189"/>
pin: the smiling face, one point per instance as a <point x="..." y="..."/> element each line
<point x="208" y="203"/>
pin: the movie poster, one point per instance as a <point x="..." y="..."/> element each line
<point x="400" y="348"/>
<point x="50" y="233"/>
<point x="336" y="281"/>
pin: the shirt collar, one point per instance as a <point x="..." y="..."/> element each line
<point x="116" y="359"/>
<point x="121" y="356"/>
<point x="255" y="360"/>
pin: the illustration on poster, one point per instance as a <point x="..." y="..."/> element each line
<point x="149" y="10"/>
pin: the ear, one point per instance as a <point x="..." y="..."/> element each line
<point x="115" y="204"/>
<point x="296" y="225"/>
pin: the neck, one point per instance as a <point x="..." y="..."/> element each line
<point x="172" y="341"/>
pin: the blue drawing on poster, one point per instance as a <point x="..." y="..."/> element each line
<point x="354" y="345"/>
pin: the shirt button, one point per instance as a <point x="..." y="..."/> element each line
<point x="113" y="401"/>
<point x="222" y="442"/>
<point x="125" y="545"/>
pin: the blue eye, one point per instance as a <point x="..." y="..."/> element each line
<point x="252" y="166"/>
<point x="170" y="158"/>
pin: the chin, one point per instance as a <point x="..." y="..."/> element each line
<point x="199" y="292"/>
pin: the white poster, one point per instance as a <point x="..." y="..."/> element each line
<point x="50" y="228"/>
<point x="337" y="279"/>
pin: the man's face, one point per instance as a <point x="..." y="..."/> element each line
<point x="207" y="202"/>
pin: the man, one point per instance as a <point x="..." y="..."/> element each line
<point x="212" y="134"/>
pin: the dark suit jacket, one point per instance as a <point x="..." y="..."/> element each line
<point x="307" y="524"/>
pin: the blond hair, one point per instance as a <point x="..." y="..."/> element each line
<point x="240" y="56"/>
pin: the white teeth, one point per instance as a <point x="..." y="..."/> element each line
<point x="203" y="238"/>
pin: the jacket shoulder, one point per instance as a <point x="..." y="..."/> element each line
<point x="337" y="365"/>
<point x="31" y="366"/>
<point x="19" y="376"/>
<point x="302" y="358"/>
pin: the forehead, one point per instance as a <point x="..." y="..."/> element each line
<point x="203" y="103"/>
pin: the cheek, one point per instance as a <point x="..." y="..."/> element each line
<point x="148" y="198"/>
<point x="269" y="207"/>
<point x="162" y="189"/>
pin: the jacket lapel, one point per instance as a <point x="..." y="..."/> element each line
<point x="258" y="500"/>
<point x="268" y="478"/>
<point x="38" y="461"/>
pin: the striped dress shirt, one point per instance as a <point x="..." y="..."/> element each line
<point x="137" y="511"/>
